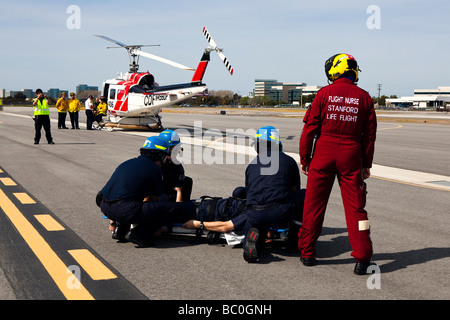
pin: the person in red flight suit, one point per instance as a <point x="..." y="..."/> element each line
<point x="342" y="123"/>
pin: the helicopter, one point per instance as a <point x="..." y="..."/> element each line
<point x="135" y="100"/>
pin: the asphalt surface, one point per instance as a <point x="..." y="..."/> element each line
<point x="409" y="221"/>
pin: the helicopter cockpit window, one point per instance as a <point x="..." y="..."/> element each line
<point x="112" y="94"/>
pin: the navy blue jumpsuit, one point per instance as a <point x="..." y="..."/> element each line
<point x="124" y="194"/>
<point x="272" y="182"/>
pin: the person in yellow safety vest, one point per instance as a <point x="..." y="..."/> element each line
<point x="74" y="108"/>
<point x="101" y="110"/>
<point x="62" y="105"/>
<point x="42" y="117"/>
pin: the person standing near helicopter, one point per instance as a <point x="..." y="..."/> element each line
<point x="89" y="105"/>
<point x="42" y="117"/>
<point x="344" y="116"/>
<point x="62" y="105"/>
<point x="74" y="109"/>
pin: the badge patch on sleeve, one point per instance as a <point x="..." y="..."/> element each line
<point x="363" y="225"/>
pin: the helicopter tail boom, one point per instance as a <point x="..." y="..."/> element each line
<point x="200" y="71"/>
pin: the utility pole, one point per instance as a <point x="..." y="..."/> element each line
<point x="379" y="89"/>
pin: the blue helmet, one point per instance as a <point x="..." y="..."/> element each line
<point x="268" y="134"/>
<point x="156" y="144"/>
<point x="171" y="137"/>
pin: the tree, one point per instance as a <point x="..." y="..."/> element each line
<point x="309" y="98"/>
<point x="86" y="93"/>
<point x="382" y="100"/>
<point x="19" y="98"/>
<point x="244" y="101"/>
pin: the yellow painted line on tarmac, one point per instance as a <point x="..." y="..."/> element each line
<point x="49" y="222"/>
<point x="8" y="182"/>
<point x="51" y="262"/>
<point x="94" y="267"/>
<point x="390" y="128"/>
<point x="24" y="198"/>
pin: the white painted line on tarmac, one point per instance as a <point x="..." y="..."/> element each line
<point x="417" y="178"/>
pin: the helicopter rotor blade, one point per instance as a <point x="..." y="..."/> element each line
<point x="225" y="62"/>
<point x="209" y="38"/>
<point x="111" y="40"/>
<point x="218" y="50"/>
<point x="167" y="61"/>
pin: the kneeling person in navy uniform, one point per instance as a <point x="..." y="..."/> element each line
<point x="177" y="186"/>
<point x="272" y="182"/>
<point x="132" y="194"/>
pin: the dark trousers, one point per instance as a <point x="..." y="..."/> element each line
<point x="62" y="120"/>
<point x="98" y="118"/>
<point x="39" y="122"/>
<point x="89" y="119"/>
<point x="74" y="119"/>
<point x="150" y="216"/>
<point x="279" y="216"/>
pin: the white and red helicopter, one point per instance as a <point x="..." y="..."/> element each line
<point x="135" y="99"/>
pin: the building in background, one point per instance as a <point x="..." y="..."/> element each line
<point x="84" y="87"/>
<point x="290" y="93"/>
<point x="422" y="99"/>
<point x="263" y="86"/>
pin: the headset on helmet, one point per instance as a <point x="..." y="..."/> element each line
<point x="171" y="137"/>
<point x="341" y="64"/>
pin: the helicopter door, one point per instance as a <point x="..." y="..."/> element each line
<point x="111" y="99"/>
<point x="105" y="90"/>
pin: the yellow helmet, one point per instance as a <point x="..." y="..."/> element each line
<point x="339" y="64"/>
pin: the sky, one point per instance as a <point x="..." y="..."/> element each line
<point x="402" y="45"/>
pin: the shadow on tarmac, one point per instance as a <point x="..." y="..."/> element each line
<point x="396" y="260"/>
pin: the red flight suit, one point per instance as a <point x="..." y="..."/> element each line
<point x="344" y="116"/>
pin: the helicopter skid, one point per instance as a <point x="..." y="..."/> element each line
<point x="155" y="127"/>
<point x="135" y="123"/>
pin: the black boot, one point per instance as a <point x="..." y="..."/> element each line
<point x="251" y="246"/>
<point x="308" y="262"/>
<point x="361" y="268"/>
<point x="141" y="242"/>
<point x="120" y="232"/>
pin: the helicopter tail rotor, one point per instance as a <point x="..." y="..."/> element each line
<point x="218" y="50"/>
